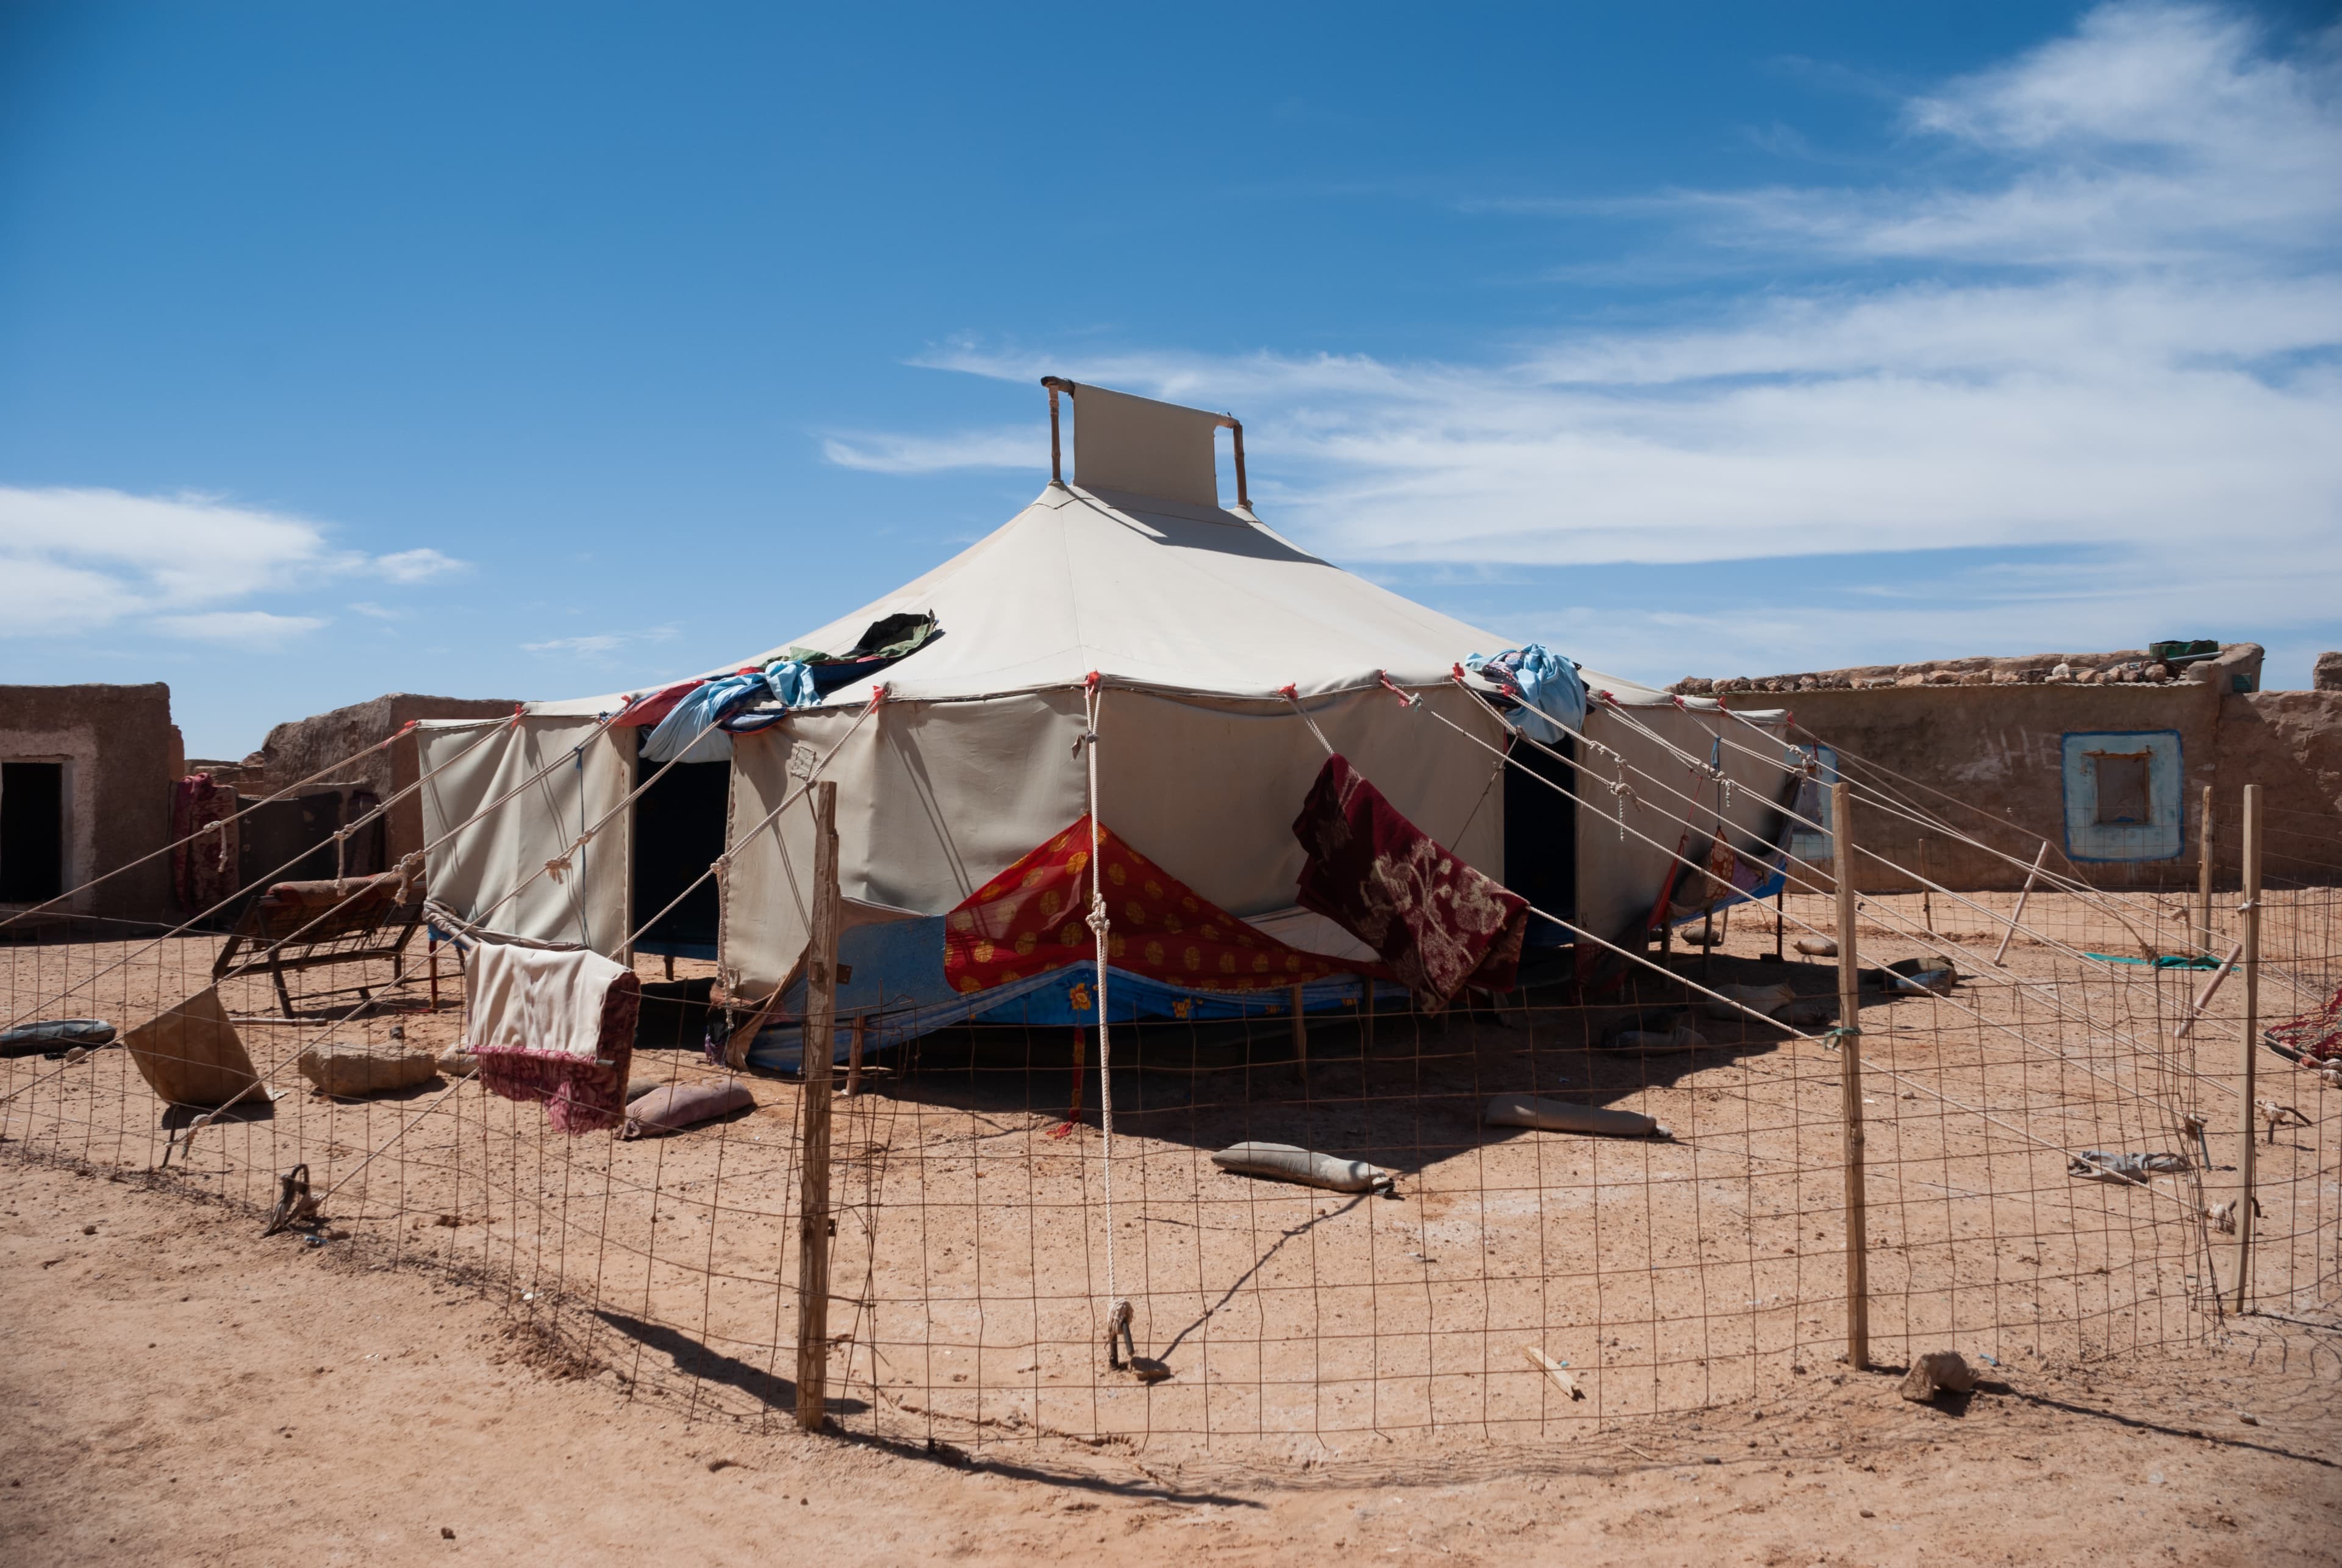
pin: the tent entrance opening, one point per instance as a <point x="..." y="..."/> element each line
<point x="679" y="831"/>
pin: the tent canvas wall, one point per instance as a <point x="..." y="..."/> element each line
<point x="1210" y="637"/>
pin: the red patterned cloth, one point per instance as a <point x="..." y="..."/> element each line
<point x="1033" y="917"/>
<point x="2314" y="1036"/>
<point x="206" y="842"/>
<point x="552" y="1026"/>
<point x="1440" y="924"/>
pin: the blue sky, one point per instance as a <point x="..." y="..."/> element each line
<point x="537" y="350"/>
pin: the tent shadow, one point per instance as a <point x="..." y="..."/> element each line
<point x="1403" y="1091"/>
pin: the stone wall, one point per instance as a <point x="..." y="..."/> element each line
<point x="119" y="747"/>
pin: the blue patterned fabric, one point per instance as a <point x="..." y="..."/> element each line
<point x="1541" y="679"/>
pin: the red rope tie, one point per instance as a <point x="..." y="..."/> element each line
<point x="1090" y="682"/>
<point x="1405" y="700"/>
<point x="1457" y="672"/>
<point x="518" y="708"/>
<point x="1290" y="691"/>
<point x="879" y="694"/>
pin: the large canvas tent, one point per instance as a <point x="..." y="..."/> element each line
<point x="1226" y="661"/>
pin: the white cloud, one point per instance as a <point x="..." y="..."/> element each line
<point x="240" y="628"/>
<point x="594" y="642"/>
<point x="79" y="559"/>
<point x="2101" y="304"/>
<point x="415" y="565"/>
<point x="1007" y="448"/>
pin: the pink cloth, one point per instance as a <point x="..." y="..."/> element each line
<point x="1440" y="924"/>
<point x="556" y="1027"/>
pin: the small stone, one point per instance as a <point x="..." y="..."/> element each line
<point x="447" y="1532"/>
<point x="1937" y="1372"/>
<point x="2248" y="1418"/>
<point x="89" y="1230"/>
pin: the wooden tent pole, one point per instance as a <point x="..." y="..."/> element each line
<point x="820" y="1044"/>
<point x="2002" y="951"/>
<point x="1849" y="1039"/>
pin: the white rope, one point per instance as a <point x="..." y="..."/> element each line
<point x="1100" y="923"/>
<point x="1878" y="913"/>
<point x="1293" y="696"/>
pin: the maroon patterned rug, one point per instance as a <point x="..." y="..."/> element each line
<point x="1439" y="924"/>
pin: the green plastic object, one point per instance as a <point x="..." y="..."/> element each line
<point x="2184" y="651"/>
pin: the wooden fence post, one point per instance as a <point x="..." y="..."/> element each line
<point x="1849" y="1041"/>
<point x="2204" y="854"/>
<point x="820" y="1045"/>
<point x="2251" y="964"/>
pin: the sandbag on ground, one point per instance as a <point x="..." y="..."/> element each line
<point x="55" y="1034"/>
<point x="676" y="1106"/>
<point x="349" y="1070"/>
<point x="1561" y="1116"/>
<point x="1283" y="1162"/>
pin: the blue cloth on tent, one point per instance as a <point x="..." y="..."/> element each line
<point x="700" y="707"/>
<point x="1543" y="680"/>
<point x="787" y="680"/>
<point x="896" y="982"/>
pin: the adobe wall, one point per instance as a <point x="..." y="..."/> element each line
<point x="121" y="746"/>
<point x="1996" y="750"/>
<point x="2290" y="743"/>
<point x="301" y="747"/>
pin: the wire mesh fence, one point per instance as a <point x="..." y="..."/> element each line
<point x="2053" y="1099"/>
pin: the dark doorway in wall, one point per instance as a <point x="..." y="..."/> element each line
<point x="32" y="831"/>
<point x="1541" y="837"/>
<point x="679" y="831"/>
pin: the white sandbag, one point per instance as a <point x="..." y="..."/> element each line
<point x="1561" y="1116"/>
<point x="1283" y="1162"/>
<point x="351" y="1070"/>
<point x="1759" y="999"/>
<point x="458" y="1063"/>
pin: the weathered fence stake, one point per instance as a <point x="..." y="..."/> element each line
<point x="2002" y="951"/>
<point x="1850" y="1039"/>
<point x="820" y="1045"/>
<point x="2203" y="856"/>
<point x="854" y="1055"/>
<point x="2250" y="907"/>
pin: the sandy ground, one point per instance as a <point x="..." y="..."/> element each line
<point x="534" y="1341"/>
<point x="184" y="1391"/>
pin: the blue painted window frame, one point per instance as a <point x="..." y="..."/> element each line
<point x="2079" y="807"/>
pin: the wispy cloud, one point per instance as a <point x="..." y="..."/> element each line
<point x="2094" y="296"/>
<point x="1005" y="448"/>
<point x="80" y="559"/>
<point x="595" y="643"/>
<point x="239" y="628"/>
<point x="415" y="565"/>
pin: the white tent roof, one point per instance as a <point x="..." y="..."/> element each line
<point x="1148" y="592"/>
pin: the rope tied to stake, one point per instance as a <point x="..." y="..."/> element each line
<point x="1833" y="1039"/>
<point x="1118" y="1310"/>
